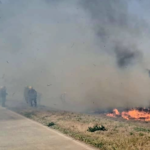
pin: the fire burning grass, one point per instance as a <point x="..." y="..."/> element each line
<point x="140" y="114"/>
<point x="120" y="135"/>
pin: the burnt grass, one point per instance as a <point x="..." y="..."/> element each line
<point x="120" y="134"/>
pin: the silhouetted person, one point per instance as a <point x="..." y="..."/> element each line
<point x="32" y="97"/>
<point x="3" y="95"/>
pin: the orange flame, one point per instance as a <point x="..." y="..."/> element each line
<point x="114" y="114"/>
<point x="111" y="115"/>
<point x="131" y="114"/>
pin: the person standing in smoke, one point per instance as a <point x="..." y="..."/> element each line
<point x="26" y="94"/>
<point x="32" y="97"/>
<point x="3" y="95"/>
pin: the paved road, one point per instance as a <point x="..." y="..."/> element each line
<point x="20" y="133"/>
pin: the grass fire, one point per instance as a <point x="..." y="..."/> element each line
<point x="88" y="60"/>
<point x="141" y="114"/>
<point x="96" y="130"/>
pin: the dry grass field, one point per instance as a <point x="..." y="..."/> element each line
<point x="120" y="134"/>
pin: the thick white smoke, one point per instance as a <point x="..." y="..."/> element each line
<point x="90" y="50"/>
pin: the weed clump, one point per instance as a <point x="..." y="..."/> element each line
<point x="51" y="124"/>
<point x="97" y="128"/>
<point x="141" y="134"/>
<point x="131" y="133"/>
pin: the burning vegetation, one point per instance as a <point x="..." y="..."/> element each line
<point x="141" y="114"/>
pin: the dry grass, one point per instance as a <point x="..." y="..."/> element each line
<point x="120" y="135"/>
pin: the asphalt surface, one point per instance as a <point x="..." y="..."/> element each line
<point x="20" y="133"/>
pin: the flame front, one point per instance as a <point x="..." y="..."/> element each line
<point x="114" y="114"/>
<point x="131" y="114"/>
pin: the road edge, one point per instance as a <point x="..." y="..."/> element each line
<point x="84" y="145"/>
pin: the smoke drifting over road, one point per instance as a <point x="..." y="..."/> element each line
<point x="94" y="51"/>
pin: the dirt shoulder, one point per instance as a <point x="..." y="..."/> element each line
<point x="120" y="134"/>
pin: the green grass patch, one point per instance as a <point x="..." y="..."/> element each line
<point x="96" y="128"/>
<point x="131" y="133"/>
<point x="51" y="124"/>
<point x="141" y="129"/>
<point x="141" y="134"/>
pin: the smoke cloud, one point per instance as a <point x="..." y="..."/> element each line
<point x="96" y="52"/>
<point x="117" y="28"/>
<point x="127" y="55"/>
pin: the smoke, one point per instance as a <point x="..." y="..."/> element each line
<point x="127" y="55"/>
<point x="117" y="28"/>
<point x="95" y="52"/>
